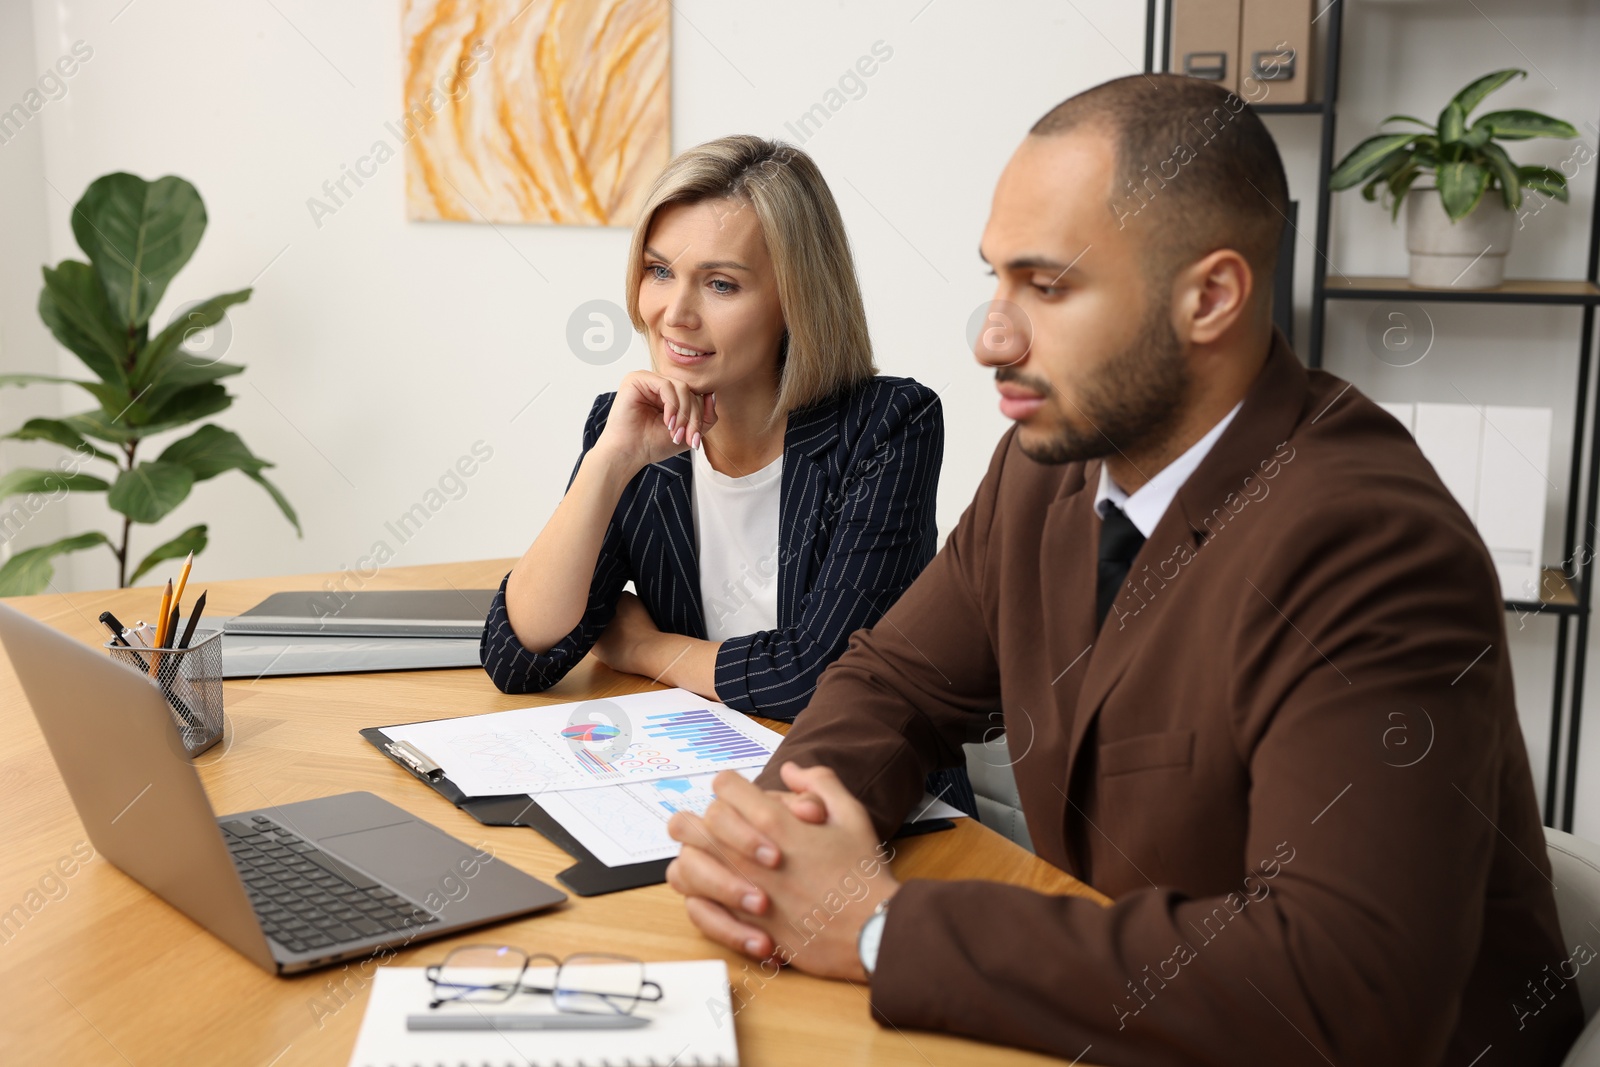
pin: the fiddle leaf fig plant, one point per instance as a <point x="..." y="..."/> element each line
<point x="1465" y="159"/>
<point x="137" y="235"/>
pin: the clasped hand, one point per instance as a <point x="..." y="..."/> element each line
<point x="785" y="875"/>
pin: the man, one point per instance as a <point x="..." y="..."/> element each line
<point x="1248" y="650"/>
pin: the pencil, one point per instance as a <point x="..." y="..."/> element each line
<point x="194" y="617"/>
<point x="161" y="624"/>
<point x="183" y="580"/>
<point x="161" y="621"/>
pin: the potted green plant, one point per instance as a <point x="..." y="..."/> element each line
<point x="137" y="235"/>
<point x="1457" y="235"/>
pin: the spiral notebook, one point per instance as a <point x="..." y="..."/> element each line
<point x="692" y="1027"/>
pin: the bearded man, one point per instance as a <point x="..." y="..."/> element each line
<point x="1205" y="588"/>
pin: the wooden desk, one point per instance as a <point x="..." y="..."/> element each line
<point x="100" y="971"/>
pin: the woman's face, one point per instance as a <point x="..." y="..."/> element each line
<point x="709" y="299"/>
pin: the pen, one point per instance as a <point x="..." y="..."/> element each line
<point x="569" y="1021"/>
<point x="109" y="621"/>
<point x="194" y="617"/>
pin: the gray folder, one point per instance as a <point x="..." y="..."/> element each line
<point x="265" y="655"/>
<point x="369" y="613"/>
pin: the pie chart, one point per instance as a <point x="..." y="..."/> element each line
<point x="592" y="732"/>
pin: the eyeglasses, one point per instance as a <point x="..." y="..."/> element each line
<point x="586" y="982"/>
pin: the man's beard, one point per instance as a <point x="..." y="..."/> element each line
<point x="1129" y="403"/>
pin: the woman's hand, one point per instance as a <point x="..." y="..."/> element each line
<point x="622" y="645"/>
<point x="654" y="417"/>
<point x="633" y="644"/>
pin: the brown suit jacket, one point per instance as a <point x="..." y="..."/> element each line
<point x="1291" y="756"/>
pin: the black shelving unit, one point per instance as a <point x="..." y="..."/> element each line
<point x="1566" y="591"/>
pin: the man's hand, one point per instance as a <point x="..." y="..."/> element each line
<point x="764" y="878"/>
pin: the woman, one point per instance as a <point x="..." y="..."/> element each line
<point x="766" y="493"/>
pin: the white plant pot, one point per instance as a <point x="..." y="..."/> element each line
<point x="1468" y="254"/>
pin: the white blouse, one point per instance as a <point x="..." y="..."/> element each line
<point x="736" y="541"/>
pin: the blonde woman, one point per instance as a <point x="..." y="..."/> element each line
<point x="766" y="491"/>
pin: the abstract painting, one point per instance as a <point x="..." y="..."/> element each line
<point x="545" y="111"/>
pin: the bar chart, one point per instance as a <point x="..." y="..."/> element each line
<point x="703" y="735"/>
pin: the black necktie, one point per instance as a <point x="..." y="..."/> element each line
<point x="1119" y="543"/>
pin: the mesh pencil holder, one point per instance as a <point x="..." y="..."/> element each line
<point x="190" y="680"/>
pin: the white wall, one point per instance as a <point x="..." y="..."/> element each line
<point x="25" y="345"/>
<point x="379" y="350"/>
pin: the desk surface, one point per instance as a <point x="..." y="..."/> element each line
<point x="94" y="969"/>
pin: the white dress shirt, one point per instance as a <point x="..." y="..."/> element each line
<point x="1146" y="506"/>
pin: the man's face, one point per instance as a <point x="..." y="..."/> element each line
<point x="1085" y="357"/>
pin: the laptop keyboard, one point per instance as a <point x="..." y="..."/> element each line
<point x="304" y="897"/>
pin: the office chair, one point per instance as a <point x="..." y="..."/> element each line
<point x="995" y="786"/>
<point x="1575" y="867"/>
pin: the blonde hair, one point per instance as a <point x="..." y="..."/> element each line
<point x="826" y="346"/>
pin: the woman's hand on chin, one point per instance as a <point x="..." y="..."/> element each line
<point x="655" y="417"/>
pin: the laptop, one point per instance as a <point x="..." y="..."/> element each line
<point x="369" y="613"/>
<point x="290" y="886"/>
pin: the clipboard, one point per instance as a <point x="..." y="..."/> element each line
<point x="588" y="877"/>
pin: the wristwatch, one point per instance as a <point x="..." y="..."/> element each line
<point x="872" y="936"/>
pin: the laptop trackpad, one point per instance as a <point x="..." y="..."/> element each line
<point x="419" y="861"/>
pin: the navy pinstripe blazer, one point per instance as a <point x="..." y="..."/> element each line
<point x="856" y="522"/>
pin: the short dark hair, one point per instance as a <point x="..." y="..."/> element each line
<point x="1193" y="161"/>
